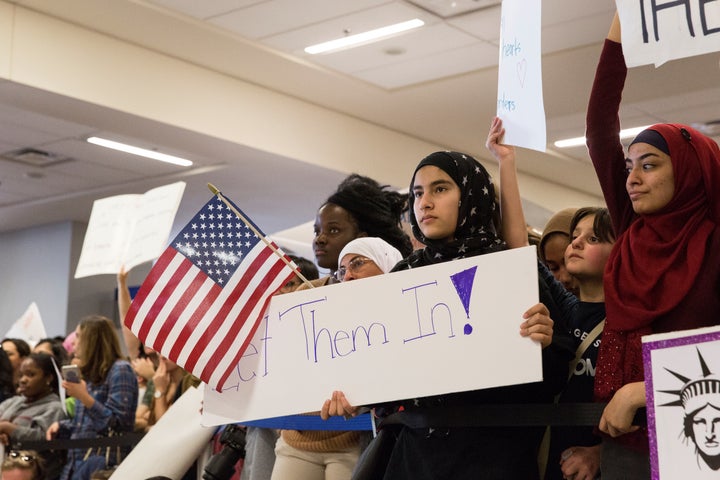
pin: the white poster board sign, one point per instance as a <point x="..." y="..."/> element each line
<point x="439" y="329"/>
<point x="655" y="32"/>
<point x="28" y="327"/>
<point x="520" y="94"/>
<point x="172" y="444"/>
<point x="682" y="386"/>
<point x="128" y="230"/>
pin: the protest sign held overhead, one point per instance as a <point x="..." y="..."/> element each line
<point x="656" y="32"/>
<point x="520" y="92"/>
<point x="127" y="230"/>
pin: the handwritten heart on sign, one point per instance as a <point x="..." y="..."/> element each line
<point x="522" y="71"/>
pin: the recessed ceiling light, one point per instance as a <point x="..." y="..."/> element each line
<point x="122" y="147"/>
<point x="364" y="38"/>
<point x="579" y="141"/>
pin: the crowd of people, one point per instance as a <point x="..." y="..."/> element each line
<point x="606" y="277"/>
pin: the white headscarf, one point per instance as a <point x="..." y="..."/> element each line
<point x="376" y="249"/>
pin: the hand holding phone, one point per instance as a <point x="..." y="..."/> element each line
<point x="71" y="373"/>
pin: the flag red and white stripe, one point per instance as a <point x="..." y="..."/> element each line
<point x="203" y="300"/>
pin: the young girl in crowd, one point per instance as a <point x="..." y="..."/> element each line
<point x="575" y="451"/>
<point x="360" y="207"/>
<point x="106" y="396"/>
<point x="554" y="241"/>
<point x="452" y="215"/>
<point x="662" y="274"/>
<point x="26" y="416"/>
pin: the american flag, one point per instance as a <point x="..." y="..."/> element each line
<point x="204" y="298"/>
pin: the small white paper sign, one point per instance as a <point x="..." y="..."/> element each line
<point x="420" y="332"/>
<point x="520" y="94"/>
<point x="655" y="32"/>
<point x="28" y="327"/>
<point x="128" y="230"/>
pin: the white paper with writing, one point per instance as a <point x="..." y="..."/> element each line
<point x="438" y="329"/>
<point x="520" y="94"/>
<point x="128" y="230"/>
<point x="655" y="32"/>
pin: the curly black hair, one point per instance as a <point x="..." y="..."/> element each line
<point x="376" y="208"/>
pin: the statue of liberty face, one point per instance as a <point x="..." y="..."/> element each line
<point x="706" y="430"/>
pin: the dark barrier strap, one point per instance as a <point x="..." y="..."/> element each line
<point x="563" y="414"/>
<point x="519" y="415"/>
<point x="123" y="440"/>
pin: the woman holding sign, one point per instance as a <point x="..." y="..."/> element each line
<point x="453" y="214"/>
<point x="662" y="274"/>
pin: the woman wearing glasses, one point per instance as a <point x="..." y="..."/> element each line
<point x="366" y="257"/>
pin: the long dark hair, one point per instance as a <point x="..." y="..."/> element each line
<point x="376" y="208"/>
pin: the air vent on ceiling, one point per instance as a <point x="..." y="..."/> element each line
<point x="34" y="157"/>
<point x="452" y="8"/>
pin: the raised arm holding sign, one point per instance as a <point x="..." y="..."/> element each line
<point x="662" y="195"/>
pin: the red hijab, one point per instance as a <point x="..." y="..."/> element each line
<point x="656" y="261"/>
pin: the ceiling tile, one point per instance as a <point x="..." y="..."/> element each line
<point x="484" y="24"/>
<point x="439" y="65"/>
<point x="451" y="8"/>
<point x="206" y="9"/>
<point x="560" y="11"/>
<point x="420" y="43"/>
<point x="296" y="40"/>
<point x="276" y="16"/>
<point x="25" y="136"/>
<point x="577" y="33"/>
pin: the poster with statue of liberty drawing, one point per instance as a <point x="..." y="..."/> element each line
<point x="682" y="383"/>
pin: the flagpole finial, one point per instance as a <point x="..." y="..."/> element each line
<point x="213" y="189"/>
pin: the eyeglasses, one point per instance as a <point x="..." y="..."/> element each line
<point x="353" y="265"/>
<point x="22" y="456"/>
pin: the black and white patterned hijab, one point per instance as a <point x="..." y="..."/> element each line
<point x="475" y="232"/>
